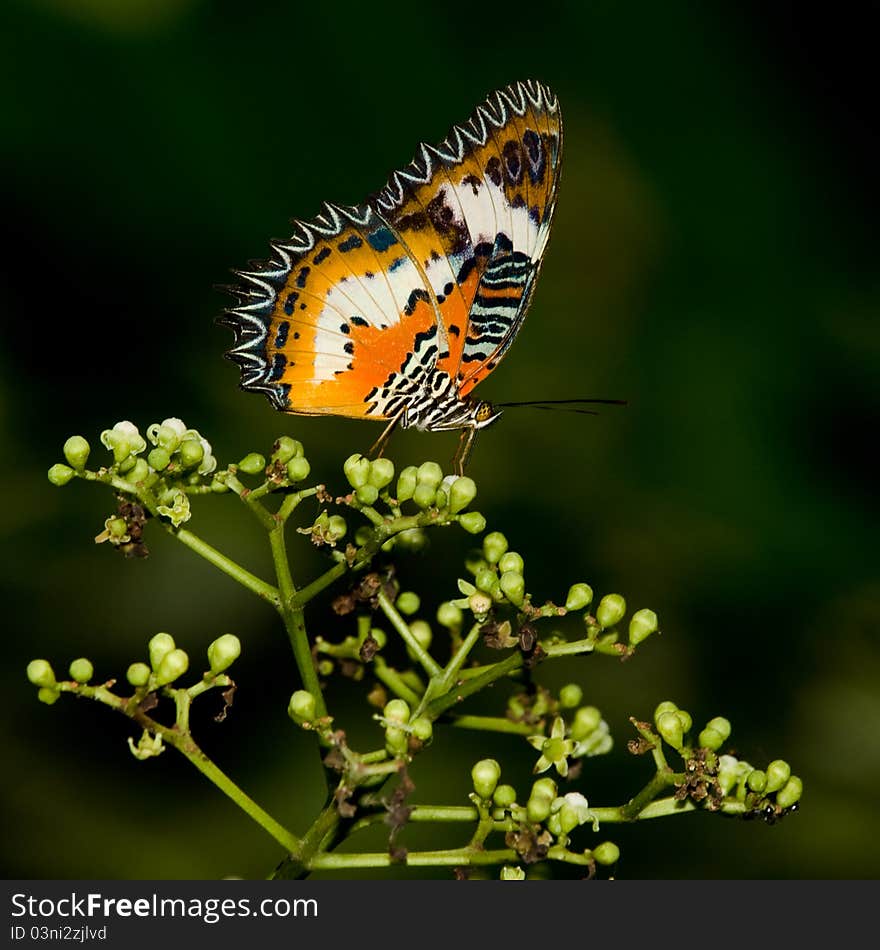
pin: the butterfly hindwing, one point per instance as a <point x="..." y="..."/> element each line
<point x="353" y="314"/>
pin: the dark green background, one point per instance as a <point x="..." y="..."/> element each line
<point x="713" y="262"/>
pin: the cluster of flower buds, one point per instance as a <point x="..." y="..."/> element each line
<point x="287" y="464"/>
<point x="609" y="614"/>
<point x="498" y="577"/>
<point x="399" y="727"/>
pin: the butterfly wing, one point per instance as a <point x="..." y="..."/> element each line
<point x="351" y="313"/>
<point x="475" y="213"/>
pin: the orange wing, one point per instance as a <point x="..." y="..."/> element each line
<point x="434" y="272"/>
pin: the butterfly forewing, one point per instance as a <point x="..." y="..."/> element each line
<point x="353" y="313"/>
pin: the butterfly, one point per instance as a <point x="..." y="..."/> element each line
<point x="397" y="308"/>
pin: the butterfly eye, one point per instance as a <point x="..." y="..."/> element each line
<point x="485" y="411"/>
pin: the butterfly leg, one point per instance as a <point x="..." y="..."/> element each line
<point x="380" y="444"/>
<point x="463" y="452"/>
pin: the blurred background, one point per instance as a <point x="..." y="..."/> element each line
<point x="713" y="262"/>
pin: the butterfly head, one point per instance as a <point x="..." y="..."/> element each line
<point x="483" y="414"/>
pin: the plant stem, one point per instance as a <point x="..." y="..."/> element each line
<point x="493" y="724"/>
<point x="429" y="664"/>
<point x="393" y="680"/>
<point x="253" y="583"/>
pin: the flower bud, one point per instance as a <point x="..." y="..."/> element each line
<point x="191" y="452"/>
<point x="406" y="483"/>
<point x="430" y="473"/>
<point x="174" y="664"/>
<point x="606" y="853"/>
<point x="778" y="773"/>
<point x="610" y="611"/>
<point x="357" y="470"/>
<point x="298" y="468"/>
<point x="541" y="800"/>
<point x="757" y="780"/>
<point x="138" y="472"/>
<point x="513" y="587"/>
<point x="48" y="695"/>
<point x="40" y="673"/>
<point x="509" y="873"/>
<point x="586" y="721"/>
<point x="570" y="695"/>
<point x="81" y="670"/>
<point x="302" y="707"/>
<point x="367" y="494"/>
<point x="60" y="474"/>
<point x="450" y="616"/>
<point x="138" y="674"/>
<point x="670" y="728"/>
<point x="286" y="448"/>
<point x="472" y="522"/>
<point x="159" y="459"/>
<point x="396" y="741"/>
<point x="223" y="652"/>
<point x="336" y="528"/>
<point x="485" y="775"/>
<point x="666" y="706"/>
<point x="397" y="711"/>
<point x="381" y="472"/>
<point x="408" y="603"/>
<point x="504" y="796"/>
<point x="461" y="493"/>
<point x="422" y="729"/>
<point x="642" y="624"/>
<point x="480" y="603"/>
<point x="790" y="793"/>
<point x="486" y="580"/>
<point x="494" y="547"/>
<point x="685" y="719"/>
<point x="425" y="495"/>
<point x="159" y="645"/>
<point x="422" y="633"/>
<point x="76" y="451"/>
<point x="252" y="464"/>
<point x="579" y="597"/>
<point x="716" y="733"/>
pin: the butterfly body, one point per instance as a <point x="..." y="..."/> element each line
<point x="397" y="308"/>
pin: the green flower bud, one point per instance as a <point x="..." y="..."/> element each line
<point x="716" y="733"/>
<point x="757" y="780"/>
<point x="513" y="587"/>
<point x="509" y="873"/>
<point x="138" y="674"/>
<point x="670" y="728"/>
<point x="76" y="451"/>
<point x="574" y="811"/>
<point x="511" y="561"/>
<point x="123" y="440"/>
<point x="480" y="603"/>
<point x="461" y="493"/>
<point x="440" y="499"/>
<point x="778" y="773"/>
<point x="579" y="597"/>
<point x="117" y="529"/>
<point x="421" y="631"/>
<point x="336" y="528"/>
<point x="425" y="495"/>
<point x="325" y="667"/>
<point x="586" y="721"/>
<point x="381" y="472"/>
<point x="302" y="707"/>
<point x="408" y="603"/>
<point x="450" y="616"/>
<point x="81" y="670"/>
<point x="138" y="472"/>
<point x="406" y="483"/>
<point x="166" y="435"/>
<point x="642" y="624"/>
<point x="60" y="474"/>
<point x="422" y="729"/>
<point x="413" y="539"/>
<point x="191" y="452"/>
<point x="475" y="562"/>
<point x="430" y="473"/>
<point x="685" y="719"/>
<point x="472" y="522"/>
<point x="494" y="547"/>
<point x="554" y="823"/>
<point x="357" y="470"/>
<point x="544" y="787"/>
<point x="223" y="652"/>
<point x="40" y="673"/>
<point x="504" y="796"/>
<point x="159" y="458"/>
<point x="159" y="645"/>
<point x="396" y="741"/>
<point x="541" y="800"/>
<point x="610" y="611"/>
<point x="730" y="772"/>
<point x="219" y="487"/>
<point x="379" y="636"/>
<point x="367" y="494"/>
<point x="790" y="793"/>
<point x="666" y="706"/>
<point x="363" y="534"/>
<point x="486" y="580"/>
<point x="397" y="711"/>
<point x="606" y="853"/>
<point x="252" y="464"/>
<point x="485" y="775"/>
<point x="298" y="468"/>
<point x="570" y="695"/>
<point x="286" y="448"/>
<point x="174" y="664"/>
<point x="48" y="695"/>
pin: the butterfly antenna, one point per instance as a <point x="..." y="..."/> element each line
<point x="565" y="405"/>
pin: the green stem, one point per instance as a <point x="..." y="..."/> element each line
<point x="253" y="583"/>
<point x="474" y="684"/>
<point x="429" y="664"/>
<point x="393" y="680"/>
<point x="305" y="594"/>
<point x="453" y="857"/>
<point x="493" y="724"/>
<point x="461" y="654"/>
